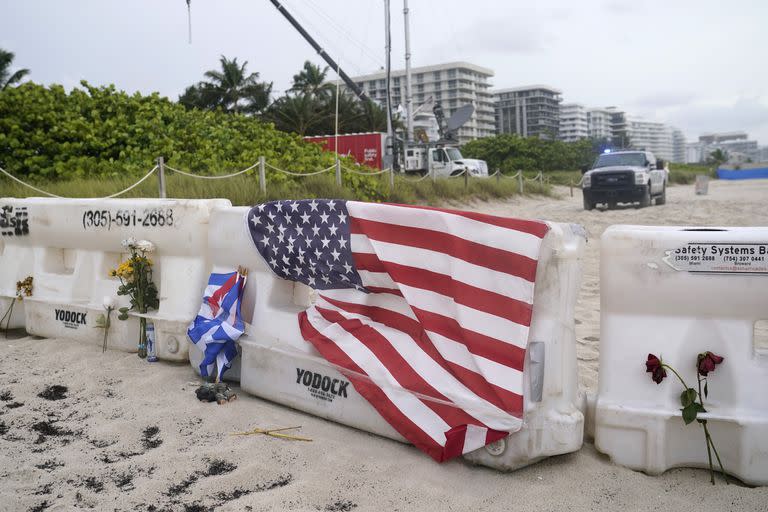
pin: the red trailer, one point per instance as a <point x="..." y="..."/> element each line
<point x="365" y="148"/>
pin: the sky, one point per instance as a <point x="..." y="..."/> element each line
<point x="699" y="65"/>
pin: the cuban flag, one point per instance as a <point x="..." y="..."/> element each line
<point x="219" y="323"/>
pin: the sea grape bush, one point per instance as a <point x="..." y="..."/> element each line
<point x="47" y="133"/>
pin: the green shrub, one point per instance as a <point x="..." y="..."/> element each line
<point x="99" y="132"/>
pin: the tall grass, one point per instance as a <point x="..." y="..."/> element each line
<point x="684" y="174"/>
<point x="244" y="190"/>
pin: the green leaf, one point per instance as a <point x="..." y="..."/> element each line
<point x="124" y="310"/>
<point x="687" y="397"/>
<point x="122" y="316"/>
<point x="690" y="412"/>
<point x="101" y="321"/>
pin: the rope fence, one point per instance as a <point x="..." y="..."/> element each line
<point x="134" y="185"/>
<point x="290" y="173"/>
<point x="217" y="177"/>
<point x="262" y="164"/>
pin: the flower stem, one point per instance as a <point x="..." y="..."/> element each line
<point x="709" y="452"/>
<point x="106" y="331"/>
<point x="664" y="365"/>
<point x="719" y="462"/>
<point x="706" y="435"/>
<point x="8" y="314"/>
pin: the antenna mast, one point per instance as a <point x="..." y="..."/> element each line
<point x="408" y="94"/>
<point x="388" y="45"/>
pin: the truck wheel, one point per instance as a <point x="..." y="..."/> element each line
<point x="662" y="199"/>
<point x="646" y="199"/>
<point x="588" y="205"/>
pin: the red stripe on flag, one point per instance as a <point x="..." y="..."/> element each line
<point x="400" y="368"/>
<point x="471" y="296"/>
<point x="214" y="300"/>
<point x="369" y="390"/>
<point x="533" y="227"/>
<point x="475" y="382"/>
<point x="368" y="261"/>
<point x="378" y="289"/>
<point x="479" y="344"/>
<point x="479" y="254"/>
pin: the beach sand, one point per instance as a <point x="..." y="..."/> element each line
<point x="128" y="435"/>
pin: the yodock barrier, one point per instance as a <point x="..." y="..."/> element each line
<point x="277" y="364"/>
<point x="69" y="247"/>
<point x="677" y="292"/>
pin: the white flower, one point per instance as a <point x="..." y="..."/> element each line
<point x="129" y="242"/>
<point x="145" y="246"/>
<point x="109" y="302"/>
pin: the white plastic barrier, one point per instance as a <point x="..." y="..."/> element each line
<point x="15" y="260"/>
<point x="69" y="246"/>
<point x="676" y="292"/>
<point x="277" y="364"/>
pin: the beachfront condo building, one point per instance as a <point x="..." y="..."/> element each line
<point x="599" y="124"/>
<point x="573" y="122"/>
<point x="531" y="111"/>
<point x="452" y="84"/>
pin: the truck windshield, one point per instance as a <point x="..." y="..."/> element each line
<point x="610" y="159"/>
<point x="453" y="154"/>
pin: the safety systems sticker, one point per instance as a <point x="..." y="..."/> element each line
<point x="720" y="258"/>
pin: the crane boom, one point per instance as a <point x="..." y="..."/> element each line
<point x="332" y="63"/>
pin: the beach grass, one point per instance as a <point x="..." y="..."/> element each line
<point x="244" y="190"/>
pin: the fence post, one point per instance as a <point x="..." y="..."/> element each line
<point x="391" y="178"/>
<point x="262" y="175"/>
<point x="498" y="176"/>
<point x="432" y="172"/>
<point x="161" y="176"/>
<point x="338" y="172"/>
<point x="466" y="179"/>
<point x="570" y="185"/>
<point x="541" y="178"/>
<point x="520" y="180"/>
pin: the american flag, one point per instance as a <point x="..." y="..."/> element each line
<point x="219" y="323"/>
<point x="425" y="310"/>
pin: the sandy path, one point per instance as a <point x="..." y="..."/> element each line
<point x="97" y="448"/>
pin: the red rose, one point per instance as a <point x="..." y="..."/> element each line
<point x="706" y="362"/>
<point x="653" y="365"/>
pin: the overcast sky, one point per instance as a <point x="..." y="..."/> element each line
<point x="700" y="65"/>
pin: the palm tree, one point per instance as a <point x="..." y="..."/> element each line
<point x="230" y="89"/>
<point x="6" y="77"/>
<point x="299" y="113"/>
<point x="718" y="157"/>
<point x="311" y="80"/>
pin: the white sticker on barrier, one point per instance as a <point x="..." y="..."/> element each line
<point x="720" y="258"/>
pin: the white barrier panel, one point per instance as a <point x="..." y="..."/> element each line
<point x="69" y="246"/>
<point x="676" y="292"/>
<point x="277" y="364"/>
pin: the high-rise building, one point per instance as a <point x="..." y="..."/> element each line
<point x="452" y="84"/>
<point x="573" y="122"/>
<point x="625" y="131"/>
<point x="650" y="135"/>
<point x="599" y="124"/>
<point x="532" y="111"/>
<point x="736" y="145"/>
<point x="678" y="146"/>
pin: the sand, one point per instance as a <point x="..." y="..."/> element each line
<point x="128" y="435"/>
